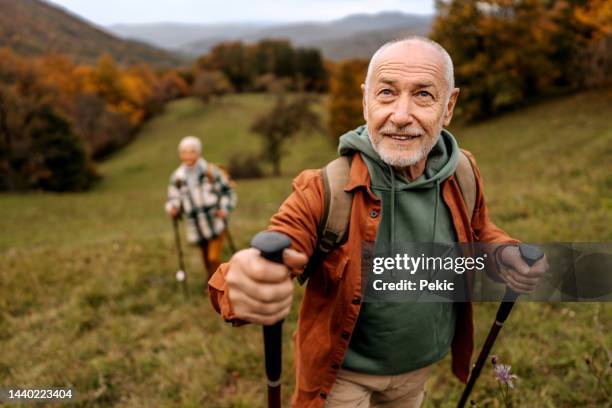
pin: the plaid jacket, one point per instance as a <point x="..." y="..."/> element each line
<point x="213" y="192"/>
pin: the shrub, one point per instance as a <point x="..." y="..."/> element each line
<point x="244" y="166"/>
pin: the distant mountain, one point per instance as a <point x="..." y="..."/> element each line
<point x="364" y="44"/>
<point x="174" y="35"/>
<point x="34" y="27"/>
<point x="352" y="36"/>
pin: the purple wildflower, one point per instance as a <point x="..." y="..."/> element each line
<point x="503" y="375"/>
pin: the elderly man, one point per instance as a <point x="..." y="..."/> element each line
<point x="351" y="353"/>
<point x="202" y="192"/>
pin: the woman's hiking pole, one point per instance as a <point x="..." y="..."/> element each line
<point x="181" y="275"/>
<point x="531" y="255"/>
<point x="230" y="239"/>
<point x="271" y="244"/>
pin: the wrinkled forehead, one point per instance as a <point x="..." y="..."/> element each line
<point x="410" y="59"/>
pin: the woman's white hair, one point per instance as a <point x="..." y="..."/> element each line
<point x="190" y="142"/>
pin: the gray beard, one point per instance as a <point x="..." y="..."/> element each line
<point x="397" y="159"/>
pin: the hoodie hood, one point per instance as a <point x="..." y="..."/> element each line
<point x="393" y="187"/>
<point x="441" y="161"/>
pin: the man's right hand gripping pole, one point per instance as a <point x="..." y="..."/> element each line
<point x="260" y="291"/>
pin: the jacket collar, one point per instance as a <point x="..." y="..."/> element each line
<point x="359" y="176"/>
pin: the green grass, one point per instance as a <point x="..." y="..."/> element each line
<point x="88" y="297"/>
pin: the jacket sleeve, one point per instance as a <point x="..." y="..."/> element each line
<point x="298" y="217"/>
<point x="174" y="195"/>
<point x="227" y="199"/>
<point x="485" y="231"/>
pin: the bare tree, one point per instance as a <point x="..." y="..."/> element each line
<point x="288" y="117"/>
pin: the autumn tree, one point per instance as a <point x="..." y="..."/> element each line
<point x="508" y="52"/>
<point x="55" y="116"/>
<point x="345" y="98"/>
<point x="310" y="70"/>
<point x="172" y="86"/>
<point x="38" y="148"/>
<point x="58" y="153"/>
<point x="247" y="66"/>
<point x="594" y="60"/>
<point x="287" y="117"/>
<point x="105" y="81"/>
<point x="231" y="59"/>
<point x="209" y="84"/>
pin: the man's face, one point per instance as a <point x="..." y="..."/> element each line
<point x="189" y="156"/>
<point x="407" y="103"/>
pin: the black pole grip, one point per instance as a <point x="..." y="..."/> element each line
<point x="530" y="254"/>
<point x="271" y="245"/>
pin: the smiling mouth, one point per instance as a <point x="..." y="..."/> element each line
<point x="403" y="138"/>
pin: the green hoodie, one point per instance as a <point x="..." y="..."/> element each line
<point x="397" y="337"/>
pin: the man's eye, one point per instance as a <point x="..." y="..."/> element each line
<point x="385" y="92"/>
<point x="424" y="94"/>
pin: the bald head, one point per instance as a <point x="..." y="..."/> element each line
<point x="438" y="53"/>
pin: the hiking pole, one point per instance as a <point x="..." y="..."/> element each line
<point x="271" y="244"/>
<point x="230" y="240"/>
<point x="181" y="275"/>
<point x="531" y="255"/>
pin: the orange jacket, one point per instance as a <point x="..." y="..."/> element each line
<point x="332" y="299"/>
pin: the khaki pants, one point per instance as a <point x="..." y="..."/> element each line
<point x="211" y="253"/>
<point x="357" y="390"/>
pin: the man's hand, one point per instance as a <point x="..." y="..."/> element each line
<point x="261" y="291"/>
<point x="516" y="273"/>
<point x="221" y="214"/>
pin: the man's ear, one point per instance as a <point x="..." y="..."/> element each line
<point x="363" y="102"/>
<point x="450" y="106"/>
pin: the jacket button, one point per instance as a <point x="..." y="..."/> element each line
<point x="336" y="366"/>
<point x="345" y="335"/>
<point x="356" y="300"/>
<point x="373" y="213"/>
<point x="323" y="395"/>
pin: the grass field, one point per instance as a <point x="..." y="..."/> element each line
<point x="88" y="297"/>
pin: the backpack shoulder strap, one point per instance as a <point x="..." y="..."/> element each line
<point x="210" y="172"/>
<point x="337" y="205"/>
<point x="467" y="182"/>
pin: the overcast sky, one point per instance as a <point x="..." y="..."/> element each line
<point x="220" y="11"/>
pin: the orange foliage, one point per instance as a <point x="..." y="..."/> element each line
<point x="345" y="107"/>
<point x="596" y="14"/>
<point x="105" y="103"/>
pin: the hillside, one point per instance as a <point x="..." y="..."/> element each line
<point x="349" y="37"/>
<point x="88" y="297"/>
<point x="34" y="27"/>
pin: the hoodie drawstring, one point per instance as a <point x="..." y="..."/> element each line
<point x="392" y="237"/>
<point x="435" y="222"/>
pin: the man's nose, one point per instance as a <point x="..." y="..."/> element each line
<point x="402" y="114"/>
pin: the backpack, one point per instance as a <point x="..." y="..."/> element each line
<point x="211" y="167"/>
<point x="210" y="174"/>
<point x="333" y="227"/>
